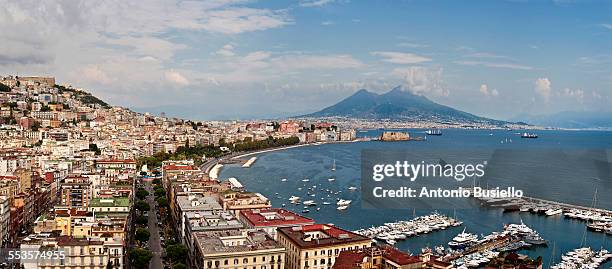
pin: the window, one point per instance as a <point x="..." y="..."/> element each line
<point x="209" y="264"/>
<point x="322" y="261"/>
<point x="235" y="261"/>
<point x="254" y="259"/>
<point x="225" y="262"/>
<point x="245" y="261"/>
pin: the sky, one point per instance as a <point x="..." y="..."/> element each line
<point x="241" y="59"/>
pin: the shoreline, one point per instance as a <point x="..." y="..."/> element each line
<point x="215" y="171"/>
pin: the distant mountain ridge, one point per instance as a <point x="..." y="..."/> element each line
<point x="398" y="103"/>
<point x="570" y="119"/>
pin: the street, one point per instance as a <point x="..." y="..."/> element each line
<point x="154" y="241"/>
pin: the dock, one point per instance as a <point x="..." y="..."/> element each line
<point x="250" y="162"/>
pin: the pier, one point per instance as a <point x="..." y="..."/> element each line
<point x="506" y="203"/>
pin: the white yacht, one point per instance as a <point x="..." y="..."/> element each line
<point x="343" y="202"/>
<point x="309" y="203"/>
<point x="463" y="240"/>
<point x="554" y="211"/>
<point x="343" y="207"/>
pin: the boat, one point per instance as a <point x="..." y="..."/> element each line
<point x="283" y="179"/>
<point x="535" y="239"/>
<point x="343" y="207"/>
<point x="305" y="211"/>
<point x="463" y="240"/>
<point x="352" y="188"/>
<point x="309" y="203"/>
<point x="305" y="180"/>
<point x="343" y="202"/>
<point x="326" y="203"/>
<point x="294" y="198"/>
<point x="434" y="131"/>
<point x="553" y="211"/>
<point x="334" y="165"/>
<point x="529" y="135"/>
<point x="331" y="179"/>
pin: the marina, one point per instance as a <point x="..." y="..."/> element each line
<point x="393" y="231"/>
<point x="597" y="219"/>
<point x="583" y="258"/>
<point x="468" y="250"/>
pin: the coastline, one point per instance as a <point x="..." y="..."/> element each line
<point x="215" y="171"/>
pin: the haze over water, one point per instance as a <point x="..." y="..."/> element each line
<point x="565" y="183"/>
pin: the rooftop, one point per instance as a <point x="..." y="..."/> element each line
<point x="317" y="235"/>
<point x="229" y="241"/>
<point x="209" y="220"/>
<point x="197" y="203"/>
<point x="114" y="202"/>
<point x="273" y="217"/>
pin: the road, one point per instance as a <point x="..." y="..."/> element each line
<point x="154" y="241"/>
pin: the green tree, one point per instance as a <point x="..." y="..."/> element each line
<point x="140" y="257"/>
<point x="4" y="88"/>
<point x="176" y="252"/>
<point x="160" y="192"/>
<point x="142" y="194"/>
<point x="142" y="206"/>
<point x="94" y="147"/>
<point x="142" y="235"/>
<point x="162" y="201"/>
<point x="141" y="220"/>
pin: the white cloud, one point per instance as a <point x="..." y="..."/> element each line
<point x="400" y="57"/>
<point x="484" y="89"/>
<point x="227" y="50"/>
<point x="412" y="45"/>
<point x="303" y="61"/>
<point x="239" y="20"/>
<point x="607" y="26"/>
<point x="542" y="87"/>
<point x="95" y="74"/>
<point x="421" y="80"/>
<point x="315" y="3"/>
<point x="577" y="94"/>
<point x="124" y="46"/>
<point x="176" y="78"/>
<point x="486" y="55"/>
<point x="327" y="23"/>
<point x="495" y="65"/>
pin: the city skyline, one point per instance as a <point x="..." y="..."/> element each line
<point x="215" y="59"/>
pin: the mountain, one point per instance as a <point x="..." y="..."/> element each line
<point x="399" y="103"/>
<point x="570" y="119"/>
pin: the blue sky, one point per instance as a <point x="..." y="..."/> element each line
<point x="243" y="59"/>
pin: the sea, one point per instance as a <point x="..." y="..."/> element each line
<point x="583" y="178"/>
